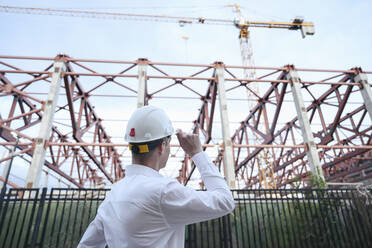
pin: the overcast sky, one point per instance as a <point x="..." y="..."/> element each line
<point x="342" y="37"/>
<point x="342" y="40"/>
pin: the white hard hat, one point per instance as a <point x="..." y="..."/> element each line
<point x="146" y="124"/>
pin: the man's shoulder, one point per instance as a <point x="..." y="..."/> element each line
<point x="160" y="183"/>
<point x="148" y="184"/>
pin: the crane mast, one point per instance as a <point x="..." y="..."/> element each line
<point x="246" y="52"/>
<point x="265" y="169"/>
<point x="245" y="43"/>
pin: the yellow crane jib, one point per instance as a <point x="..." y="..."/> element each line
<point x="307" y="28"/>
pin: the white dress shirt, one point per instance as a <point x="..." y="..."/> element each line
<point x="145" y="209"/>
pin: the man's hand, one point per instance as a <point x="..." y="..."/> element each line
<point x="190" y="143"/>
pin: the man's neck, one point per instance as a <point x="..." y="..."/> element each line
<point x="151" y="164"/>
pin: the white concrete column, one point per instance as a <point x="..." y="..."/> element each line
<point x="228" y="160"/>
<point x="307" y="135"/>
<point x="7" y="164"/>
<point x="38" y="157"/>
<point x="142" y="73"/>
<point x="46" y="177"/>
<point x="365" y="91"/>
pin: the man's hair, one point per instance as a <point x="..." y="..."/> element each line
<point x="143" y="157"/>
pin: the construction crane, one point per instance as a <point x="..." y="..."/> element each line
<point x="307" y="28"/>
<point x="264" y="164"/>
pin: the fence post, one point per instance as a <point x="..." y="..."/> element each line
<point x="3" y="209"/>
<point x="39" y="215"/>
<point x="226" y="230"/>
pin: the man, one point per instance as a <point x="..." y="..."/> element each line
<point x="145" y="209"/>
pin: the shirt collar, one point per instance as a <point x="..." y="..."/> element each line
<point x="135" y="169"/>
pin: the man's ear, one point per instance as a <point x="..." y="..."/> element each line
<point x="161" y="147"/>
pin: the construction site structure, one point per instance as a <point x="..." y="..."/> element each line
<point x="320" y="127"/>
<point x="264" y="163"/>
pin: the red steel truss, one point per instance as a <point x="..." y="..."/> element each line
<point x="81" y="151"/>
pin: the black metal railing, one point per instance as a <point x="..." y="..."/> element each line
<point x="262" y="218"/>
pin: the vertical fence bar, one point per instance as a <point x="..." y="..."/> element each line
<point x="274" y="227"/>
<point x="10" y="224"/>
<point x="55" y="214"/>
<point x="345" y="231"/>
<point x="287" y="227"/>
<point x="195" y="234"/>
<point x="3" y="209"/>
<point x="331" y="199"/>
<point x="302" y="218"/>
<point x="320" y="211"/>
<point x="220" y="233"/>
<point x="82" y="213"/>
<point x="328" y="218"/>
<point x="269" y="203"/>
<point x="290" y="215"/>
<point x="61" y="219"/>
<point x="70" y="201"/>
<point x="18" y="203"/>
<point x="223" y="231"/>
<point x="19" y="241"/>
<point x="35" y="232"/>
<point x="90" y="207"/>
<point x="252" y="202"/>
<point x="75" y="217"/>
<point x="361" y="212"/>
<point x="312" y="220"/>
<point x="188" y="236"/>
<point x="200" y="234"/>
<point x="263" y="210"/>
<point x="243" y="216"/>
<point x="280" y="218"/>
<point x="356" y="219"/>
<point x="247" y="204"/>
<point x="46" y="219"/>
<point x="214" y="232"/>
<point x="235" y="212"/>
<point x="242" y="211"/>
<point x="208" y="236"/>
<point x="35" y="193"/>
<point x="350" y="219"/>
<point x="257" y="217"/>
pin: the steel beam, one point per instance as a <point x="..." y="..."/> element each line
<point x="228" y="160"/>
<point x="92" y="121"/>
<point x="366" y="91"/>
<point x="142" y="71"/>
<point x="203" y="124"/>
<point x="303" y="119"/>
<point x="269" y="137"/>
<point x="38" y="158"/>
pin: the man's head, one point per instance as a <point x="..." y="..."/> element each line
<point x="148" y="133"/>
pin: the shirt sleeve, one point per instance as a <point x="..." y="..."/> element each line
<point x="93" y="236"/>
<point x="183" y="205"/>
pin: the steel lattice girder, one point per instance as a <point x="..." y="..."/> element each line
<point x="75" y="93"/>
<point x="203" y="124"/>
<point x="93" y="162"/>
<point x="82" y="166"/>
<point x="326" y="135"/>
